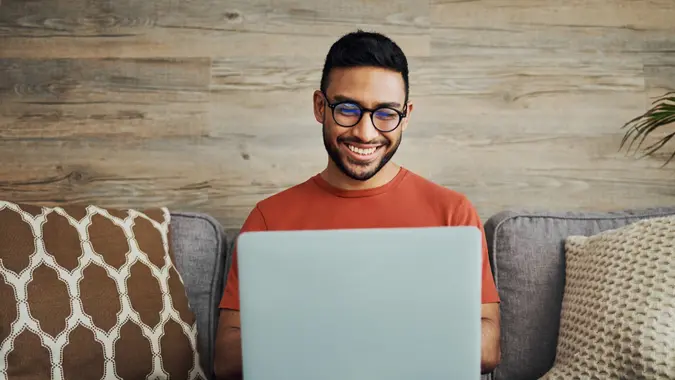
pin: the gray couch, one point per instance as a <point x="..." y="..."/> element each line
<point x="199" y="247"/>
<point x="527" y="258"/>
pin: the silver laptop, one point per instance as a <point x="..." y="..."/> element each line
<point x="367" y="304"/>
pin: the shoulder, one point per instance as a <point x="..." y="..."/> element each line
<point x="275" y="208"/>
<point x="455" y="205"/>
<point x="291" y="195"/>
<point x="435" y="191"/>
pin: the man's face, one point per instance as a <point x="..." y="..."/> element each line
<point x="362" y="150"/>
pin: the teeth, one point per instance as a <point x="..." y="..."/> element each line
<point x="360" y="151"/>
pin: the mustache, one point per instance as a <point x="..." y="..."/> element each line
<point x="356" y="140"/>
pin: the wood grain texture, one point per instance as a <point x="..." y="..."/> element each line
<point x="206" y="105"/>
<point x="103" y="99"/>
<point x="529" y="26"/>
<point x="659" y="74"/>
<point x="172" y="28"/>
<point x="659" y="80"/>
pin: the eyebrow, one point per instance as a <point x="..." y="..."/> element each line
<point x="341" y="98"/>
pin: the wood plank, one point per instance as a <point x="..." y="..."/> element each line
<point x="486" y="119"/>
<point x="499" y="93"/>
<point x="105" y="99"/>
<point x="104" y="80"/>
<point x="254" y="75"/>
<point x="646" y="14"/>
<point x="207" y="177"/>
<point x="461" y="104"/>
<point x="519" y="105"/>
<point x="659" y="80"/>
<point x="103" y="121"/>
<point x="491" y="191"/>
<point x="529" y="26"/>
<point x="194" y="43"/>
<point x="659" y="74"/>
<point x="512" y="77"/>
<point x="547" y="92"/>
<point x="466" y="134"/>
<point x="172" y="28"/>
<point x="476" y="118"/>
<point x="261" y="97"/>
<point x="456" y="120"/>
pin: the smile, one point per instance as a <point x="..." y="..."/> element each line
<point x="362" y="154"/>
<point x="361" y="151"/>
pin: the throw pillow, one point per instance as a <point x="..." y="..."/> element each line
<point x="92" y="293"/>
<point x="618" y="311"/>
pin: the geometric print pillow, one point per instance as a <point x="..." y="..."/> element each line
<point x="618" y="310"/>
<point x="92" y="293"/>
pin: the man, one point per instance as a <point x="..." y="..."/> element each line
<point x="364" y="109"/>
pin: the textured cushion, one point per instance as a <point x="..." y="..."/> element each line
<point x="618" y="310"/>
<point x="526" y="252"/>
<point x="89" y="293"/>
<point x="199" y="248"/>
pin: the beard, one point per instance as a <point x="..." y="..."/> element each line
<point x="346" y="165"/>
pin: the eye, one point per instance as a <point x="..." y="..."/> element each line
<point x="386" y="114"/>
<point x="348" y="109"/>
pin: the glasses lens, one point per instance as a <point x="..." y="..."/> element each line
<point x="385" y="119"/>
<point x="347" y="114"/>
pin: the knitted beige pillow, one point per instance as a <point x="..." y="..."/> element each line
<point x="618" y="311"/>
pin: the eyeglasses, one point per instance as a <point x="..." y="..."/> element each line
<point x="348" y="114"/>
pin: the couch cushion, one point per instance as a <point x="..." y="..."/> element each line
<point x="199" y="247"/>
<point x="82" y="284"/>
<point x="618" y="314"/>
<point x="527" y="257"/>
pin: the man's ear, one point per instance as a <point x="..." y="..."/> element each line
<point x="409" y="107"/>
<point x="319" y="106"/>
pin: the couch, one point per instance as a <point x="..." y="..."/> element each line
<point x="526" y="254"/>
<point x="527" y="258"/>
<point x="200" y="249"/>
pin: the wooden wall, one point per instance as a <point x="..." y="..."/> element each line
<point x="205" y="105"/>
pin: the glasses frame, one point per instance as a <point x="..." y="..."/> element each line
<point x="332" y="106"/>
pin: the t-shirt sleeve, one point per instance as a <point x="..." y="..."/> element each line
<point x="230" y="299"/>
<point x="466" y="215"/>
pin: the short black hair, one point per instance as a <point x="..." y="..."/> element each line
<point x="358" y="49"/>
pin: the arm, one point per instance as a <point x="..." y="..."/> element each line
<point x="227" y="364"/>
<point x="490" y="351"/>
<point x="465" y="215"/>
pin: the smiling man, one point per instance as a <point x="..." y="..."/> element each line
<point x="364" y="109"/>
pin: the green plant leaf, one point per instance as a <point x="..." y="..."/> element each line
<point x="657" y="120"/>
<point x="640" y="127"/>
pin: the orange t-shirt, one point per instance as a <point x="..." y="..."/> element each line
<point x="406" y="201"/>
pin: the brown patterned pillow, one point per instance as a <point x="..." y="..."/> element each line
<point x="92" y="293"/>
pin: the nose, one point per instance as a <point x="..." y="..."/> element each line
<point x="365" y="130"/>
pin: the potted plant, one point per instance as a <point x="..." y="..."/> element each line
<point x="662" y="113"/>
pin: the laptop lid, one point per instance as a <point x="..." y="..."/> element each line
<point x="400" y="303"/>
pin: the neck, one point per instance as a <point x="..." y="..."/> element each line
<point x="334" y="176"/>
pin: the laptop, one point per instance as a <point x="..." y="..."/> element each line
<point x="361" y="304"/>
